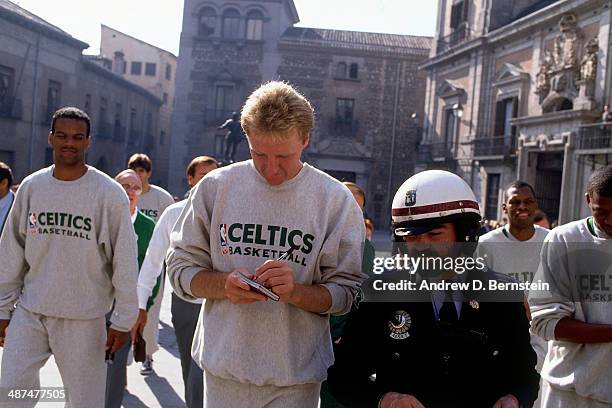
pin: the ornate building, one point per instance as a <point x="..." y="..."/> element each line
<point x="365" y="87"/>
<point x="42" y="69"/>
<point x="517" y="90"/>
<point x="154" y="69"/>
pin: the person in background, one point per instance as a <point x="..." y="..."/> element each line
<point x="233" y="138"/>
<point x="369" y="224"/>
<point x="337" y="323"/>
<point x="153" y="201"/>
<point x="6" y="195"/>
<point x="184" y="313"/>
<point x="541" y="219"/>
<point x="116" y="373"/>
<point x="514" y="249"/>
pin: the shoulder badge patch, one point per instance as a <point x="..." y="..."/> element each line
<point x="400" y="325"/>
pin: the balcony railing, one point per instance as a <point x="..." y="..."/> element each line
<point x="595" y="136"/>
<point x="343" y="128"/>
<point x="497" y="146"/>
<point x="11" y="108"/>
<point x="216" y="117"/>
<point x="434" y="152"/>
<point x="459" y="35"/>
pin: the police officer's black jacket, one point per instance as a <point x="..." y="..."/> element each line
<point x="484" y="356"/>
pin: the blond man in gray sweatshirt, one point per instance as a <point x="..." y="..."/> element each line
<point x="257" y="352"/>
<point x="575" y="314"/>
<point x="68" y="249"/>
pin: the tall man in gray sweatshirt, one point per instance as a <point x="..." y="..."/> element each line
<point x="575" y="315"/>
<point x="257" y="352"/>
<point x="68" y="248"/>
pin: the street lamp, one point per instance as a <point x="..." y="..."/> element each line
<point x="458" y="110"/>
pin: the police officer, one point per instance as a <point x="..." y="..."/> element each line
<point x="436" y="348"/>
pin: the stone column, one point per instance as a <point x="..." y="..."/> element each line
<point x="567" y="198"/>
<point x="604" y="73"/>
<point x="522" y="160"/>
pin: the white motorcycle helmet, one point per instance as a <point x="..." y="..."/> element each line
<point x="435" y="197"/>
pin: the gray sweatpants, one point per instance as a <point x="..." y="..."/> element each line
<point x="555" y="398"/>
<point x="184" y="320"/>
<point x="78" y="348"/>
<point x="222" y="393"/>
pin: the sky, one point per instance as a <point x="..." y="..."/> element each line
<point x="159" y="21"/>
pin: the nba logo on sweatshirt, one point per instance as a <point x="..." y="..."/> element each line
<point x="223" y="239"/>
<point x="32" y="223"/>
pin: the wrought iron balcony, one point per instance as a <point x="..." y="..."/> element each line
<point x="435" y="152"/>
<point x="458" y="36"/>
<point x="343" y="128"/>
<point x="595" y="136"/>
<point x="495" y="147"/>
<point x="11" y="108"/>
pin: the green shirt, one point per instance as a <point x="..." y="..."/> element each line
<point x="144" y="226"/>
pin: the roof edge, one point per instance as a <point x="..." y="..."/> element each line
<point x="137" y="39"/>
<point x="56" y="33"/>
<point x="93" y="66"/>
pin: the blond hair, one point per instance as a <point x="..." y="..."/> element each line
<point x="276" y="108"/>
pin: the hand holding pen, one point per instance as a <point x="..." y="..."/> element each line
<point x="277" y="275"/>
<point x="242" y="287"/>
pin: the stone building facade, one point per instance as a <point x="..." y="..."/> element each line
<point x="41" y="69"/>
<point x="365" y="88"/>
<point x="151" y="68"/>
<point x="516" y="90"/>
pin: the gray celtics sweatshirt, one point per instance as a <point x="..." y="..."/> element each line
<point x="576" y="263"/>
<point x="235" y="219"/>
<point x="68" y="249"/>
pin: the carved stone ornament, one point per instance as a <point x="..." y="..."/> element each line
<point x="559" y="70"/>
<point x="588" y="66"/>
<point x="566" y="44"/>
<point x="543" y="76"/>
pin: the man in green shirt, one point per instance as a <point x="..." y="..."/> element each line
<point x="116" y="373"/>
